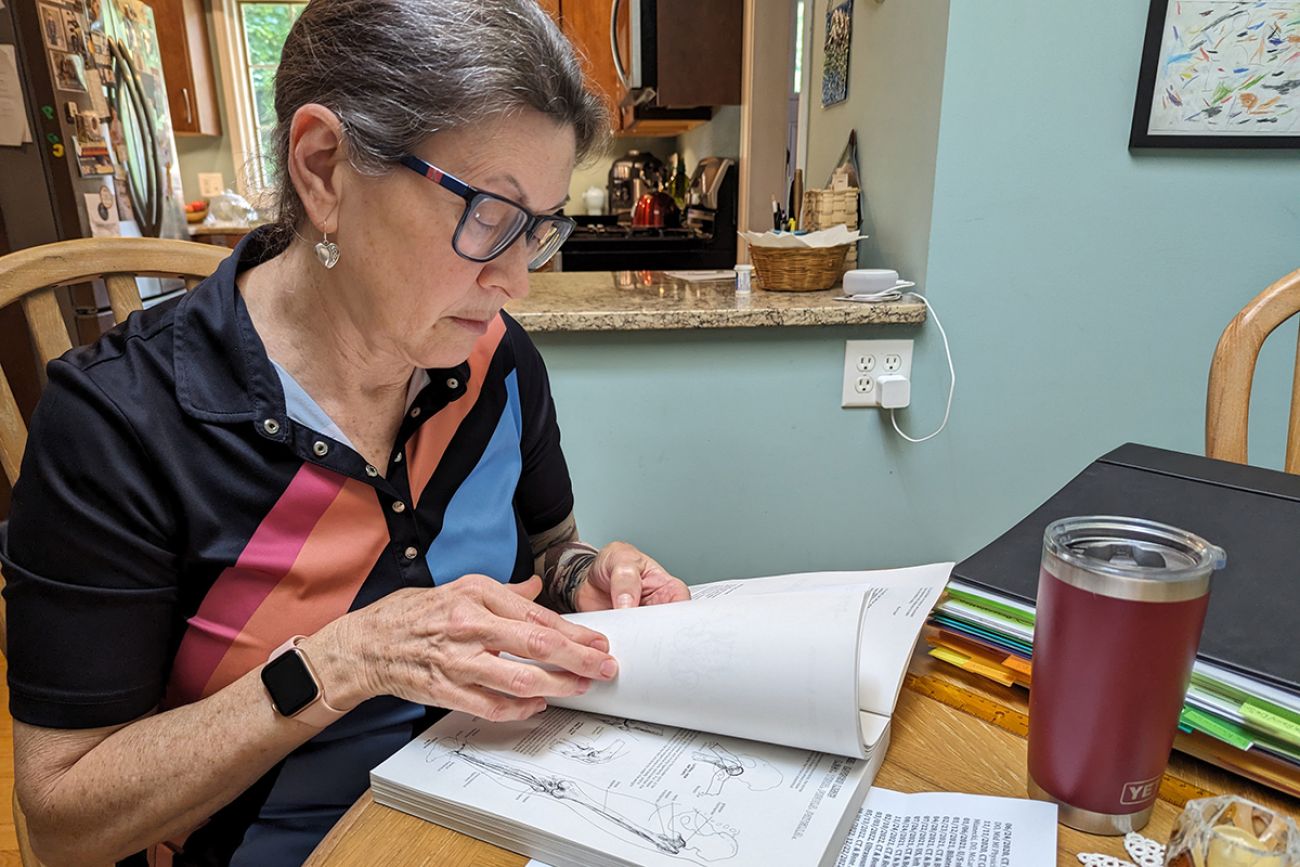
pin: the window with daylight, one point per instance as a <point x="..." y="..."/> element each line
<point x="263" y="27"/>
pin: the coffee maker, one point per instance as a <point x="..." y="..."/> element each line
<point x="630" y="176"/>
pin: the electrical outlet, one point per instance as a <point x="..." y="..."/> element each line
<point x="211" y="184"/>
<point x="864" y="360"/>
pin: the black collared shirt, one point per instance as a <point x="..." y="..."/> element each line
<point x="174" y="523"/>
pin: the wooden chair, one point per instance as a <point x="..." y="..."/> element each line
<point x="1227" y="404"/>
<point x="30" y="277"/>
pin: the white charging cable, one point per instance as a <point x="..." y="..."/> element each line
<point x="952" y="380"/>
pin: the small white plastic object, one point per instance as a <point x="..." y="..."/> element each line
<point x="865" y="281"/>
<point x="895" y="390"/>
<point x="744" y="279"/>
<point x="594" y="199"/>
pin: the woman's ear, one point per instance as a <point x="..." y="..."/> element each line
<point x="317" y="159"/>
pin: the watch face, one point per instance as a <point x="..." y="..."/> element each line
<point x="289" y="683"/>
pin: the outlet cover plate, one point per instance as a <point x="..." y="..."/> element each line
<point x="865" y="358"/>
<point x="210" y="184"/>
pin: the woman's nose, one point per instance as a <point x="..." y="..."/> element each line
<point x="509" y="271"/>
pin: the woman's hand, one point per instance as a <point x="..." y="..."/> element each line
<point x="624" y="577"/>
<point x="442" y="647"/>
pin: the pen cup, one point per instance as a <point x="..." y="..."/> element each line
<point x="1121" y="602"/>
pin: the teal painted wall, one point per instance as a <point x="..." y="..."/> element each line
<point x="1083" y="289"/>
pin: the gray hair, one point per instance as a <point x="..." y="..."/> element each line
<point x="398" y="71"/>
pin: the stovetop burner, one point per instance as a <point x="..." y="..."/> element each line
<point x="624" y="231"/>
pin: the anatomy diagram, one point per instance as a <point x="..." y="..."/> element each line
<point x="756" y="774"/>
<point x="587" y="752"/>
<point x="666" y="827"/>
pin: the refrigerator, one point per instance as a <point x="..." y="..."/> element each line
<point x="86" y="150"/>
<point x="102" y="160"/>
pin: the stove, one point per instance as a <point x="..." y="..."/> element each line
<point x="708" y="241"/>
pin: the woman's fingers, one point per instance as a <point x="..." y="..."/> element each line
<point x="550" y="646"/>
<point x="512" y="606"/>
<point x="522" y="680"/>
<point x="625" y="582"/>
<point x="491" y="705"/>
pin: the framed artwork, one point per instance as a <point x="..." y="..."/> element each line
<point x="835" y="70"/>
<point x="1219" y="74"/>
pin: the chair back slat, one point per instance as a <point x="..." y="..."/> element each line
<point x="13" y="433"/>
<point x="31" y="275"/>
<point x="123" y="295"/>
<point x="1293" y="427"/>
<point x="1227" y="402"/>
<point x="45" y="321"/>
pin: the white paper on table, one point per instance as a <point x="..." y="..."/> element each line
<point x="767" y="667"/>
<point x="898" y="602"/>
<point x="14" y="129"/>
<point x="1017" y="832"/>
<point x="832" y="237"/>
<point x="893" y="829"/>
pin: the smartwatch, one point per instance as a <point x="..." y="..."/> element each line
<point x="294" y="688"/>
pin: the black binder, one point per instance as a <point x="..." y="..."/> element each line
<point x="1250" y="512"/>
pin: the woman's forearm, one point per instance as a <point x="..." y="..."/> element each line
<point x="159" y="777"/>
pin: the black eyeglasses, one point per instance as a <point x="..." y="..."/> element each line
<point x="491" y="223"/>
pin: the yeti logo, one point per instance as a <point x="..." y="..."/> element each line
<point x="1140" y="791"/>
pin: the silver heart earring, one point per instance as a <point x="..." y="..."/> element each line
<point x="327" y="251"/>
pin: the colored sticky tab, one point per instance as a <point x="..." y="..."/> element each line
<point x="965" y="663"/>
<point x="992" y="606"/>
<point x="1267" y="721"/>
<point x="1229" y="733"/>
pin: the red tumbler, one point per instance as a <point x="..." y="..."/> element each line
<point x="1121" y="602"/>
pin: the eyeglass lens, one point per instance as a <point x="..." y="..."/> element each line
<point x="491" y="225"/>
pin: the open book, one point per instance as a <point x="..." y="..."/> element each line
<point x="744" y="727"/>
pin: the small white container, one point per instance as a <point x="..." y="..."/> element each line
<point x="744" y="279"/>
<point x="864" y="281"/>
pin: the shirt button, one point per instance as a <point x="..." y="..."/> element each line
<point x="410" y="553"/>
<point x="415" y="412"/>
<point x="397" y="458"/>
<point x="453" y="383"/>
<point x="399" y="506"/>
<point x="371" y="471"/>
<point x="271" y="426"/>
<point x="320" y="448"/>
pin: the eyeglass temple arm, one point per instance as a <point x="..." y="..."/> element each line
<point x="438" y="176"/>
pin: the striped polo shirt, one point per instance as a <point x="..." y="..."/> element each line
<point x="177" y="518"/>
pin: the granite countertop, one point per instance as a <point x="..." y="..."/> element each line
<point x="650" y="301"/>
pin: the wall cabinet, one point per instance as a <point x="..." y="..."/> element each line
<point x="187" y="66"/>
<point x="662" y="65"/>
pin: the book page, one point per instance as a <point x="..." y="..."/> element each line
<point x="895" y="829"/>
<point x="563" y="785"/>
<point x="898" y="602"/>
<point x="780" y="669"/>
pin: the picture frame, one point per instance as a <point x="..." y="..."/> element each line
<point x="1219" y="74"/>
<point x="839" y="40"/>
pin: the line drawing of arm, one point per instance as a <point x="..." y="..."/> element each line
<point x="684" y="833"/>
<point x="757" y="774"/>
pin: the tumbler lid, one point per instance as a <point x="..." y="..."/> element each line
<point x="1130" y="558"/>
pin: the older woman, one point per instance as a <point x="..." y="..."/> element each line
<point x="260" y="535"/>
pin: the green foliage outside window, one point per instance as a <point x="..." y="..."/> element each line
<point x="266" y="26"/>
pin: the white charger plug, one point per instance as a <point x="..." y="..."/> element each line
<point x="895" y="390"/>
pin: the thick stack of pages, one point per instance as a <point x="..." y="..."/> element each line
<point x="744" y="727"/>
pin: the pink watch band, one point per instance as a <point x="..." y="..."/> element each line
<point x="320" y="712"/>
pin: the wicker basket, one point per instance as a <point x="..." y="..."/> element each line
<point x="797" y="269"/>
<point x="823" y="209"/>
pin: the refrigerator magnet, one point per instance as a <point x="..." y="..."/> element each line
<point x="52" y="28"/>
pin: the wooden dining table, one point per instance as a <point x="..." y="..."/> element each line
<point x="952" y="732"/>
